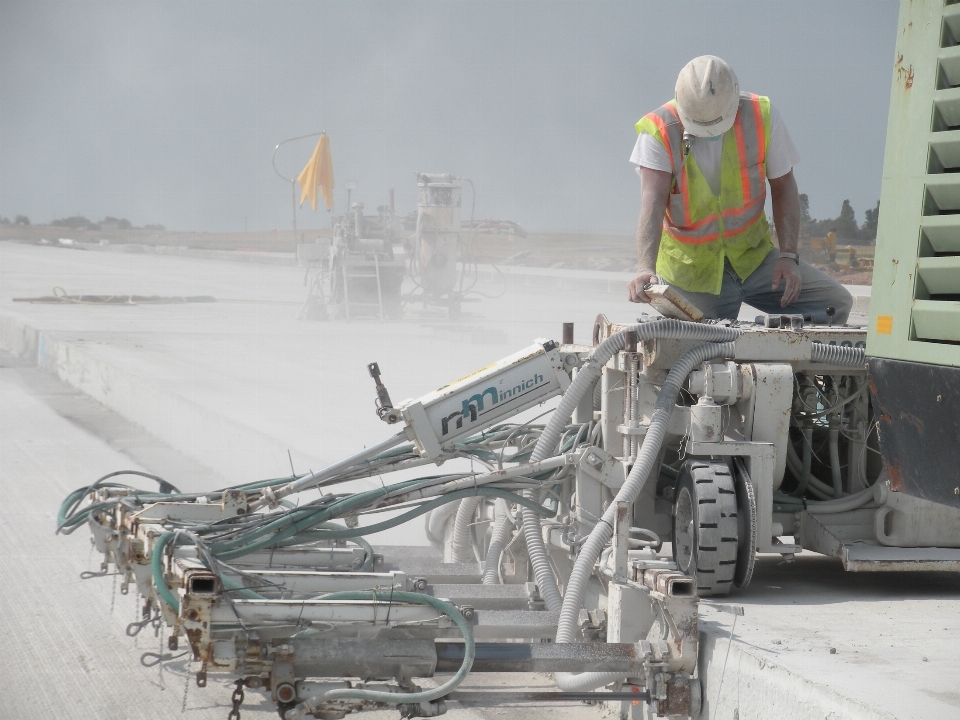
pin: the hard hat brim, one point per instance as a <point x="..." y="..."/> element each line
<point x="718" y="127"/>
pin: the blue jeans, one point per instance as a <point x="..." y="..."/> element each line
<point x="818" y="292"/>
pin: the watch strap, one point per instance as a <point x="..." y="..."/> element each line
<point x="791" y="256"/>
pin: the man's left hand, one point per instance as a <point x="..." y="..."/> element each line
<point x="788" y="271"/>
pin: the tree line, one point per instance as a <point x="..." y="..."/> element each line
<point x="845" y="224"/>
<point x="79" y="222"/>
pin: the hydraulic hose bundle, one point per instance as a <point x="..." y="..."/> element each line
<point x="531" y="487"/>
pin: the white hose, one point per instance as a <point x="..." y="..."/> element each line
<point x="815" y="485"/>
<point x="837" y="355"/>
<point x="502" y="528"/>
<point x="603" y="530"/>
<point x="837" y="478"/>
<point x="850" y="502"/>
<point x="435" y="521"/>
<point x="584" y="381"/>
<point x="462" y="546"/>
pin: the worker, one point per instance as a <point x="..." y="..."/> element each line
<point x="704" y="159"/>
<point x="832" y="245"/>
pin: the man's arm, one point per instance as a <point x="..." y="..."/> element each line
<point x="786" y="216"/>
<point x="654" y="195"/>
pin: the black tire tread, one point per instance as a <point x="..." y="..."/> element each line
<point x="716" y="522"/>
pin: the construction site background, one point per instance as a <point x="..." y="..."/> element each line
<point x="580" y="251"/>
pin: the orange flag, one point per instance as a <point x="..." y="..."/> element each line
<point x="318" y="175"/>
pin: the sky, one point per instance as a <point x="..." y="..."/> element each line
<point x="169" y="112"/>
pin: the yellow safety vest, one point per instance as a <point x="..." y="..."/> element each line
<point x="699" y="228"/>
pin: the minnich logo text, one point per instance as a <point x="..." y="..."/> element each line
<point x="473" y="407"/>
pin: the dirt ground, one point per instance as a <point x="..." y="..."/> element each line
<point x="582" y="251"/>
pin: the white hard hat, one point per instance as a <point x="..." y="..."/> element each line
<point x="708" y="95"/>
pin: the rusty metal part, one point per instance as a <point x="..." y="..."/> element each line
<point x="678" y="701"/>
<point x="237" y="699"/>
<point x="286" y="693"/>
<point x="918" y="414"/>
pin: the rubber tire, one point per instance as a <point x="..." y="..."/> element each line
<point x="746" y="524"/>
<point x="705" y="526"/>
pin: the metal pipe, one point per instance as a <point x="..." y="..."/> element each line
<point x="268" y="496"/>
<point x="496" y="698"/>
<point x="543" y="657"/>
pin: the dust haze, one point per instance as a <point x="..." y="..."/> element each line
<point x="169" y="112"/>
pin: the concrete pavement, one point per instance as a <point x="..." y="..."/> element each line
<point x="230" y="387"/>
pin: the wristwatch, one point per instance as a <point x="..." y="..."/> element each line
<point x="791" y="256"/>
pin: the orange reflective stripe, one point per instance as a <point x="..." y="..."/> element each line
<point x="695" y="240"/>
<point x="662" y="127"/>
<point x="744" y="167"/>
<point x="761" y="139"/>
<point x="682" y="182"/>
<point x="749" y="207"/>
<point x="699" y="224"/>
<point x="733" y="232"/>
<point x="761" y="136"/>
<point x="685" y="194"/>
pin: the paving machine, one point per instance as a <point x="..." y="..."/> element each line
<point x="359" y="270"/>
<point x="581" y="543"/>
<point x="441" y="258"/>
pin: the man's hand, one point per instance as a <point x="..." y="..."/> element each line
<point x="635" y="289"/>
<point x="788" y="271"/>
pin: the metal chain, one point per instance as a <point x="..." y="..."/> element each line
<point x="237" y="699"/>
<point x="136" y="617"/>
<point x="186" y="687"/>
<point x="163" y="685"/>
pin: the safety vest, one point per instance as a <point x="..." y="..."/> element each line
<point x="699" y="228"/>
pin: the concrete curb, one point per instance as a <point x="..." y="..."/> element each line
<point x="768" y="689"/>
<point x="240" y="453"/>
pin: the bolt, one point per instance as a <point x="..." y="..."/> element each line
<point x="939" y="398"/>
<point x="467" y="612"/>
<point x="420" y="584"/>
<point x="286" y="692"/>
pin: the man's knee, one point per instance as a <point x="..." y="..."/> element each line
<point x="842" y="301"/>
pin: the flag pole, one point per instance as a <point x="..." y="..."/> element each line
<point x="293" y="180"/>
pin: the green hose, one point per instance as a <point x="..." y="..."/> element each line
<point x="349" y="533"/>
<point x="281" y="525"/>
<point x="232" y="549"/>
<point x="156" y="566"/>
